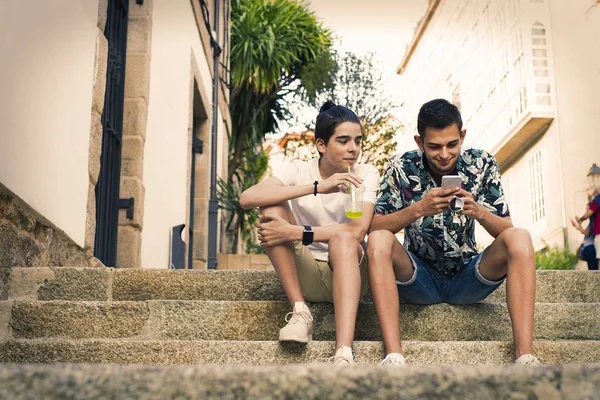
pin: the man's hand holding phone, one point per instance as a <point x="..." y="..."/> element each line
<point x="436" y="201"/>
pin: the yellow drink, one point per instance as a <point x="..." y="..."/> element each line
<point x="353" y="214"/>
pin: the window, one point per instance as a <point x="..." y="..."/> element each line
<point x="538" y="210"/>
<point x="540" y="64"/>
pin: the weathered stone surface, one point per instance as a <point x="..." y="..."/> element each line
<point x="561" y="286"/>
<point x="100" y="68"/>
<point x="137" y="76"/>
<point x="78" y="319"/>
<point x="5" y="312"/>
<point x="140" y="10"/>
<point x="132" y="157"/>
<point x="195" y="285"/>
<point x="44" y="283"/>
<point x="253" y="320"/>
<point x="139" y="35"/>
<point x="63" y="252"/>
<point x="16" y="248"/>
<point x="305" y="381"/>
<point x="129" y="247"/>
<point x="135" y="118"/>
<point x="237" y="352"/>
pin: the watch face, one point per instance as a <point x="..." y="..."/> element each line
<point x="307" y="236"/>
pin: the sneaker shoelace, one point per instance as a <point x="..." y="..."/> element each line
<point x="394" y="360"/>
<point x="341" y="360"/>
<point x="295" y="317"/>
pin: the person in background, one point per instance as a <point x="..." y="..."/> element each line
<point x="316" y="250"/>
<point x="587" y="251"/>
<point x="593" y="213"/>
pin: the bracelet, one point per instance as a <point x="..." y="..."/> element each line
<point x="315" y="183"/>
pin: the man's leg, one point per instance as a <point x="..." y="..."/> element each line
<point x="388" y="262"/>
<point x="512" y="254"/>
<point x="282" y="256"/>
<point x="344" y="257"/>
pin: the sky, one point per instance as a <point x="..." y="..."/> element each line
<point x="384" y="27"/>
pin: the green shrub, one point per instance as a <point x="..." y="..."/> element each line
<point x="555" y="258"/>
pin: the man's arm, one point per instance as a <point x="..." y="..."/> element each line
<point x="434" y="202"/>
<point x="492" y="223"/>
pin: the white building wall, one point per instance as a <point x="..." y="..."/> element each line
<point x="46" y="76"/>
<point x="505" y="59"/>
<point x="166" y="156"/>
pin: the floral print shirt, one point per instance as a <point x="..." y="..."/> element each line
<point x="445" y="241"/>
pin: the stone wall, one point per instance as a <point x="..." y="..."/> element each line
<point x="28" y="240"/>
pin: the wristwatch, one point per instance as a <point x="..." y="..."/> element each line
<point x="307" y="235"/>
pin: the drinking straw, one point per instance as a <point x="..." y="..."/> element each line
<point x="352" y="194"/>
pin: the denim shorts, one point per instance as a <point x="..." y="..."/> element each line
<point x="429" y="286"/>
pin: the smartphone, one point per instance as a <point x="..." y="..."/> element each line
<point x="450" y="181"/>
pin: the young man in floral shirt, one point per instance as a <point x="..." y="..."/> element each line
<point x="439" y="261"/>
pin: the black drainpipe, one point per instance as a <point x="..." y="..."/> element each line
<point x="213" y="205"/>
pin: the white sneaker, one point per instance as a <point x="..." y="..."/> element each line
<point x="299" y="326"/>
<point x="393" y="359"/>
<point x="529" y="360"/>
<point x="343" y="356"/>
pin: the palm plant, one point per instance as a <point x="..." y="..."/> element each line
<point x="277" y="47"/>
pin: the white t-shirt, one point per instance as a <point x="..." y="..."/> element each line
<point x="323" y="209"/>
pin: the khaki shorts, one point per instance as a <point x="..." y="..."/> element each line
<point x="315" y="276"/>
<point x="597" y="246"/>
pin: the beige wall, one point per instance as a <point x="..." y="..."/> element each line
<point x="46" y="78"/>
<point x="576" y="37"/>
<point x="175" y="41"/>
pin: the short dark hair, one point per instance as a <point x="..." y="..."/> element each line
<point x="330" y="116"/>
<point x="438" y="114"/>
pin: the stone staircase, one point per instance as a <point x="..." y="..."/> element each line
<point x="213" y="334"/>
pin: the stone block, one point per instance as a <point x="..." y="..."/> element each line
<point x="135" y="118"/>
<point x="238" y="261"/>
<point x="5" y="313"/>
<point x="17" y="248"/>
<point x="261" y="260"/>
<point x="132" y="157"/>
<point x="222" y="261"/>
<point x="139" y="35"/>
<point x="79" y="284"/>
<point x="140" y="10"/>
<point x="55" y="319"/>
<point x="129" y="247"/>
<point x="102" y="14"/>
<point x="62" y="252"/>
<point x="137" y="76"/>
<point x="100" y="69"/>
<point x="200" y="251"/>
<point x="199" y="265"/>
<point x="200" y="214"/>
<point x="95" y="150"/>
<point x="25" y="282"/>
<point x="132" y="187"/>
<point x="90" y="221"/>
<point x="307" y="381"/>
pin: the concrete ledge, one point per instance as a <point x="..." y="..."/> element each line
<point x="170" y="352"/>
<point x="75" y="381"/>
<point x="216" y="320"/>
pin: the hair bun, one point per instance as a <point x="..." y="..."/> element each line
<point x="327" y="105"/>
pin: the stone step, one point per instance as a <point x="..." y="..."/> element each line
<point x="119" y="351"/>
<point x="261" y="320"/>
<point x="100" y="284"/>
<point x="316" y="381"/>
